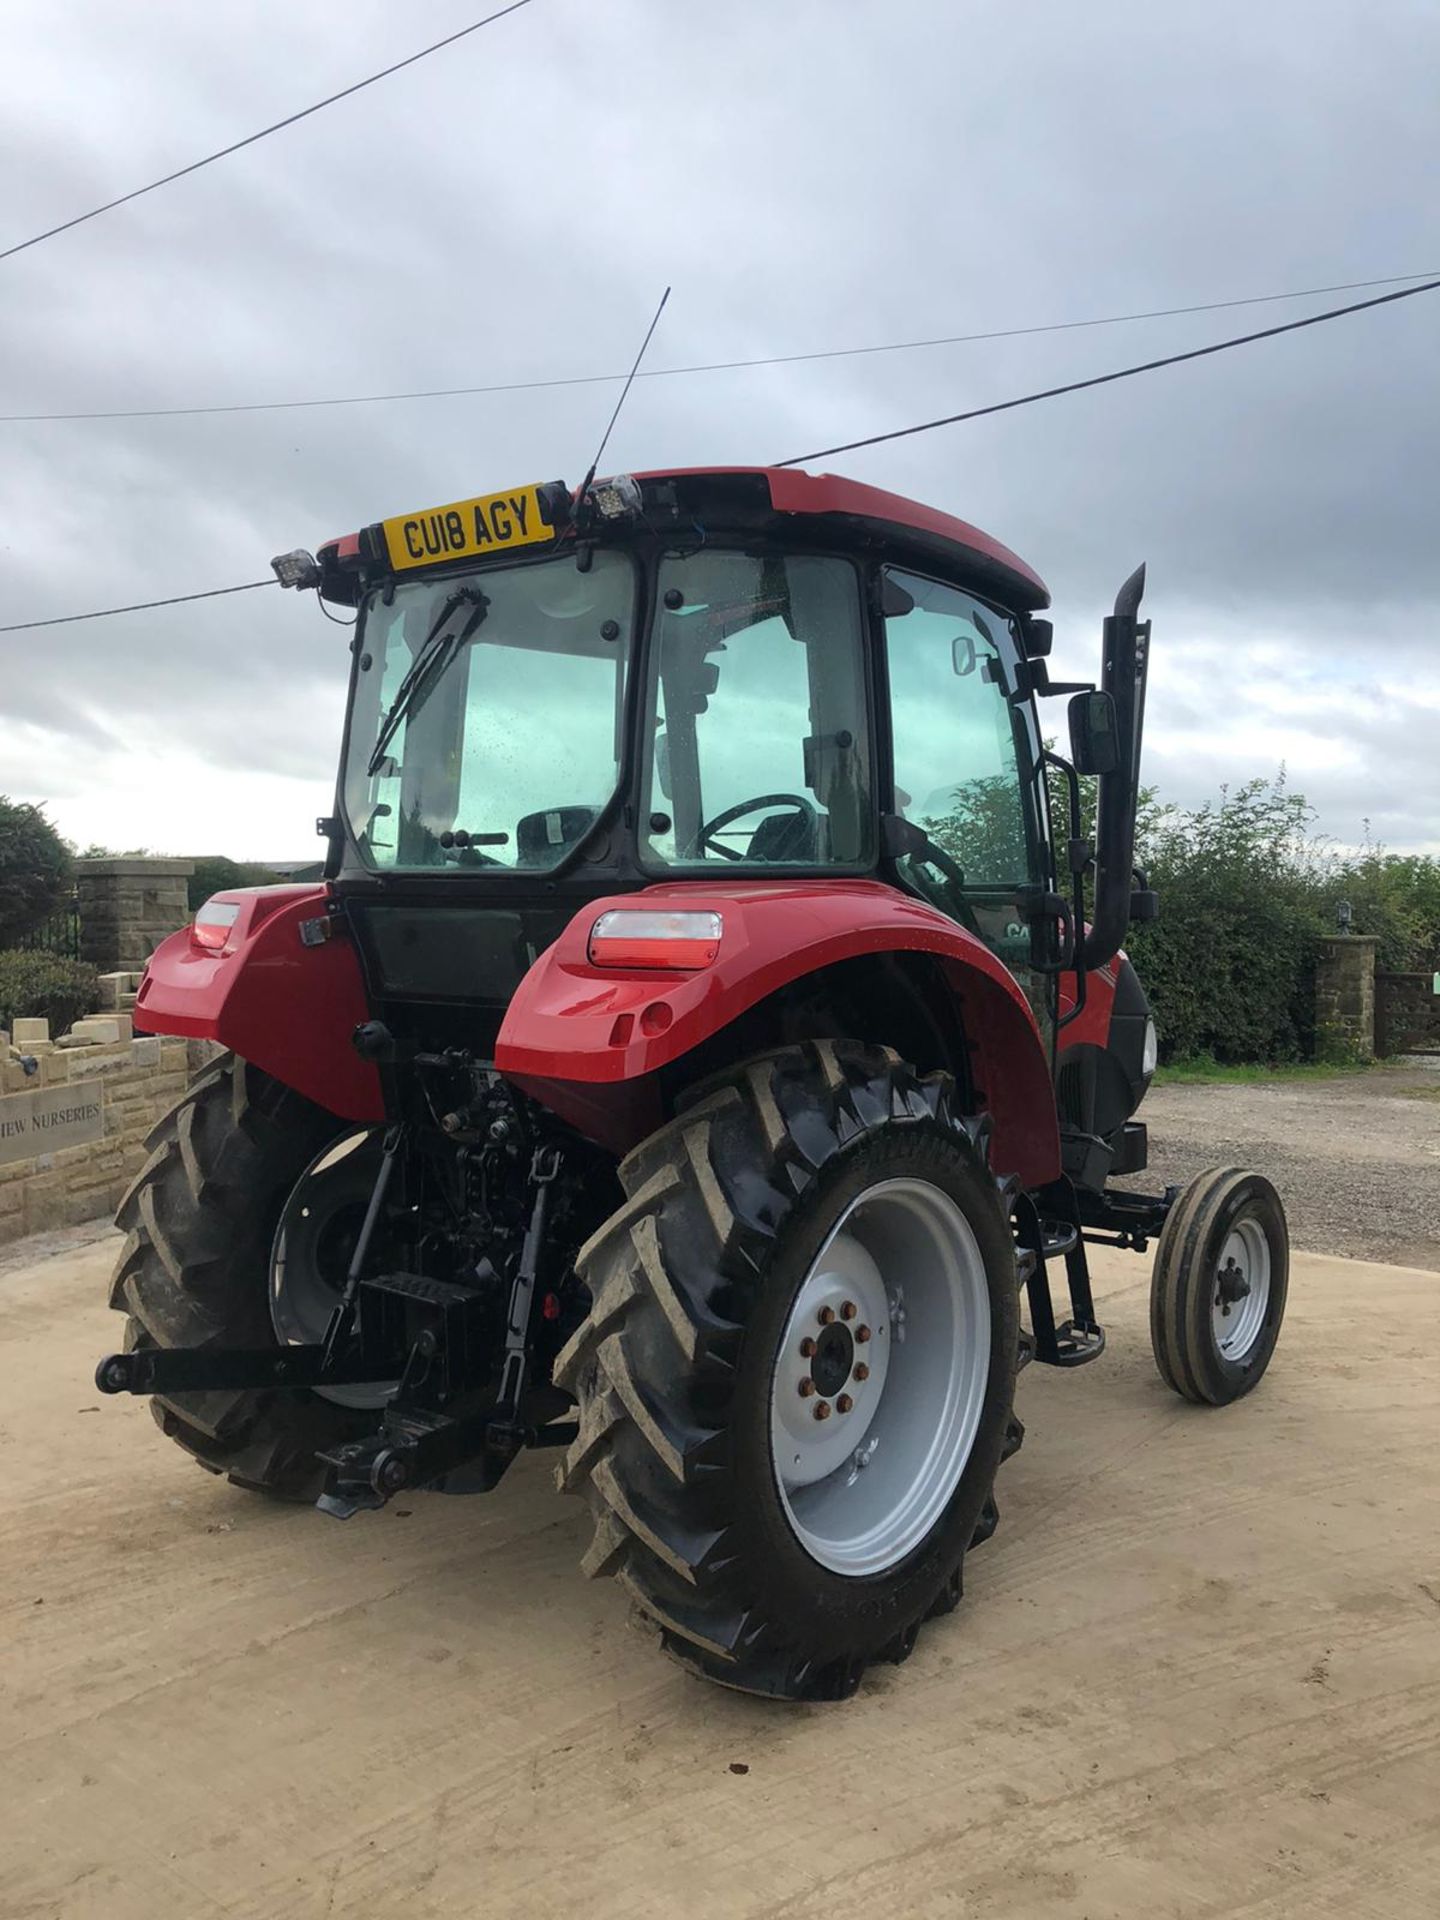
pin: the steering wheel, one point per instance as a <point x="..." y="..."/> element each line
<point x="730" y="815"/>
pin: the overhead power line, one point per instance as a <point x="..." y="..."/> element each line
<point x="264" y="133"/>
<point x="871" y="440"/>
<point x="140" y="606"/>
<point x="1106" y="379"/>
<point x="710" y="366"/>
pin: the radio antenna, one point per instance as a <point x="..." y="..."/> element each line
<point x="589" y="480"/>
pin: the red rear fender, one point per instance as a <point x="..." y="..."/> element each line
<point x="579" y="1037"/>
<point x="286" y="1007"/>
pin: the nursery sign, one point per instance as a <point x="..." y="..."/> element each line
<point x="48" y="1119"/>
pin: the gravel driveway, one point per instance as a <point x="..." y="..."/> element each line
<point x="1356" y="1159"/>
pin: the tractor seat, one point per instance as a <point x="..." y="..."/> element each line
<point x="541" y="837"/>
<point x="784" y="836"/>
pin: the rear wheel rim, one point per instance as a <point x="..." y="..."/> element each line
<point x="898" y="1292"/>
<point x="306" y="1286"/>
<point x="1240" y="1290"/>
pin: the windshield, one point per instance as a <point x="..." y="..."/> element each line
<point x="504" y="747"/>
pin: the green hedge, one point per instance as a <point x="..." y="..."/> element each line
<point x="1247" y="890"/>
<point x="1230" y="964"/>
<point x="35" y="985"/>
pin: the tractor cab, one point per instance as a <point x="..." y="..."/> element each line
<point x="682" y="679"/>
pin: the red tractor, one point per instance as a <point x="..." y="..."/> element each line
<point x="699" y="1047"/>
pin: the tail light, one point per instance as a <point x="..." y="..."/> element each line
<point x="668" y="942"/>
<point x="213" y="924"/>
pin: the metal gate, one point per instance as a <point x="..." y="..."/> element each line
<point x="1407" y="1013"/>
<point x="60" y="933"/>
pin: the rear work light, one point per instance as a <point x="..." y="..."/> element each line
<point x="650" y="938"/>
<point x="213" y="924"/>
<point x="618" y="498"/>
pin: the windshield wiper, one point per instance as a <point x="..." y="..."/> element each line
<point x="437" y="650"/>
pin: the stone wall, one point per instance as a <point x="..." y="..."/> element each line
<point x="74" y="1114"/>
<point x="127" y="907"/>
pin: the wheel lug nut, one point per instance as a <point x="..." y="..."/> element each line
<point x="862" y="1334"/>
<point x="822" y="1410"/>
<point x="848" y="1310"/>
<point x="862" y="1372"/>
<point x="826" y="1315"/>
<point x="844" y="1403"/>
<point x="807" y="1387"/>
<point x="807" y="1347"/>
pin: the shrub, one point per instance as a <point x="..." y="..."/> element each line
<point x="45" y="986"/>
<point x="35" y="869"/>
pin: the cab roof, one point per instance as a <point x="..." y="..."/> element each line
<point x="872" y="509"/>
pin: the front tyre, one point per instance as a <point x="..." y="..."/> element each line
<point x="796" y="1381"/>
<point x="1217" y="1293"/>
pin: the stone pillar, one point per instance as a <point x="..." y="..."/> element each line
<point x="1345" y="995"/>
<point x="127" y="906"/>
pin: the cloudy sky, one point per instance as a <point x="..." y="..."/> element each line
<point x="809" y="174"/>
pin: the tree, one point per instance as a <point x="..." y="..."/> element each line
<point x="983" y="830"/>
<point x="36" y="869"/>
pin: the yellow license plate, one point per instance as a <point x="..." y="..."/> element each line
<point x="469" y="529"/>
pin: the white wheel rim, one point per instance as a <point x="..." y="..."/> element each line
<point x="902" y="1281"/>
<point x="1238" y="1317"/>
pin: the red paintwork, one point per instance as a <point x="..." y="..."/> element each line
<point x="1092" y="1027"/>
<point x="794" y="491"/>
<point x="573" y="1030"/>
<point x="288" y="1008"/>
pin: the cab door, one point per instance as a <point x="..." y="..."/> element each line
<point x="965" y="761"/>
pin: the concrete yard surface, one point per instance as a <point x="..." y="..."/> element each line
<point x="1196" y="1673"/>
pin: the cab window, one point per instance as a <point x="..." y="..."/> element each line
<point x="759" y="742"/>
<point x="961" y="758"/>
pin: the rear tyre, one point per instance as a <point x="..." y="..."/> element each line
<point x="200" y="1220"/>
<point x="810" y="1197"/>
<point x="1217" y="1294"/>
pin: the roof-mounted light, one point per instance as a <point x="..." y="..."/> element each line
<point x="297" y="569"/>
<point x="655" y="940"/>
<point x="617" y="498"/>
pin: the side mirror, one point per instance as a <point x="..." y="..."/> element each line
<point x="662" y="764"/>
<point x="1094" y="735"/>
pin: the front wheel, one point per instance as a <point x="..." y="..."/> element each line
<point x="1217" y="1294"/>
<point x="796" y="1381"/>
